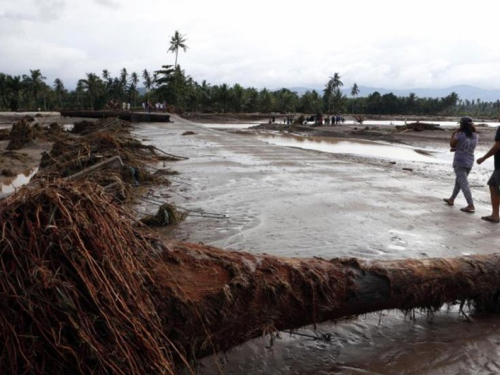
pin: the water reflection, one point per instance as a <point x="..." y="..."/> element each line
<point x="18" y="181"/>
<point x="230" y="126"/>
<point x="363" y="148"/>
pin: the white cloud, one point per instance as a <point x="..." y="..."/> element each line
<point x="281" y="43"/>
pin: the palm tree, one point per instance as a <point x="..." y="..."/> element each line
<point x="148" y="80"/>
<point x="3" y="89"/>
<point x="354" y="93"/>
<point x="338" y="100"/>
<point x="59" y="90"/>
<point x="134" y="80"/>
<point x="336" y="82"/>
<point x="177" y="42"/>
<point x="123" y="77"/>
<point x="91" y="85"/>
<point x="106" y="75"/>
<point x="328" y="94"/>
<point x="14" y="86"/>
<point x="34" y="83"/>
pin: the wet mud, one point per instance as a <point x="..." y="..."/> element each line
<point x="293" y="202"/>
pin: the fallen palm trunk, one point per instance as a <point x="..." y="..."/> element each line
<point x="230" y="297"/>
<point x="84" y="290"/>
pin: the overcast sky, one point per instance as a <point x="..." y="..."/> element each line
<point x="262" y="43"/>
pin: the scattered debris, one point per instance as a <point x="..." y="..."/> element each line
<point x="359" y="118"/>
<point x="167" y="215"/>
<point x="8" y="173"/>
<point x="408" y="169"/>
<point x="4" y="134"/>
<point x="189" y="132"/>
<point x="20" y="135"/>
<point x="418" y="126"/>
<point x="79" y="294"/>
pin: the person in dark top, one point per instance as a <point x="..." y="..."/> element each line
<point x="494" y="181"/>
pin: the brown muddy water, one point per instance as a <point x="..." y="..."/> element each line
<point x="294" y="202"/>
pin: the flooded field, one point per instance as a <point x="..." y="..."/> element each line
<point x="298" y="202"/>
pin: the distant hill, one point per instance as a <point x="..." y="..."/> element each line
<point x="464" y="92"/>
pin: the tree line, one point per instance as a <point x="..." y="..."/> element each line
<point x="171" y="84"/>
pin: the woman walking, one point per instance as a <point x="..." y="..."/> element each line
<point x="463" y="141"/>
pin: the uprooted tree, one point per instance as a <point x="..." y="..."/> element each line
<point x="84" y="289"/>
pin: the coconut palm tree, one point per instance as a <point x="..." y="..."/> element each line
<point x="92" y="86"/>
<point x="328" y="95"/>
<point x="124" y="77"/>
<point x="134" y="80"/>
<point x="354" y="93"/>
<point x="3" y="89"/>
<point x="106" y="75"/>
<point x="34" y="83"/>
<point x="178" y="41"/>
<point x="15" y="86"/>
<point x="148" y="80"/>
<point x="336" y="82"/>
<point x="59" y="90"/>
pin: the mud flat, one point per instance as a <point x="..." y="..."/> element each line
<point x="16" y="166"/>
<point x="293" y="202"/>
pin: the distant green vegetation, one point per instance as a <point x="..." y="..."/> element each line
<point x="171" y="84"/>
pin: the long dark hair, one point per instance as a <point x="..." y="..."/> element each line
<point x="467" y="128"/>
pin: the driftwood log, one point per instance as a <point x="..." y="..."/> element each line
<point x="84" y="289"/>
<point x="231" y="297"/>
<point x="418" y="126"/>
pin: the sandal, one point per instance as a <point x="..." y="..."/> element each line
<point x="469" y="210"/>
<point x="490" y="219"/>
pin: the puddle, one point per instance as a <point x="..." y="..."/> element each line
<point x="443" y="124"/>
<point x="366" y="148"/>
<point x="230" y="126"/>
<point x="17" y="182"/>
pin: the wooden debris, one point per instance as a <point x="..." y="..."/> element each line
<point x="85" y="290"/>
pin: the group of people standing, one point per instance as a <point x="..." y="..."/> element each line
<point x="463" y="142"/>
<point x="147" y="106"/>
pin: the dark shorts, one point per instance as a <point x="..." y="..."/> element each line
<point x="495" y="180"/>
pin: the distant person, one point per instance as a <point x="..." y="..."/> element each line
<point x="128" y="107"/>
<point x="463" y="142"/>
<point x="124" y="106"/>
<point x="494" y="181"/>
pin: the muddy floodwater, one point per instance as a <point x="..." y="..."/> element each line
<point x="248" y="193"/>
